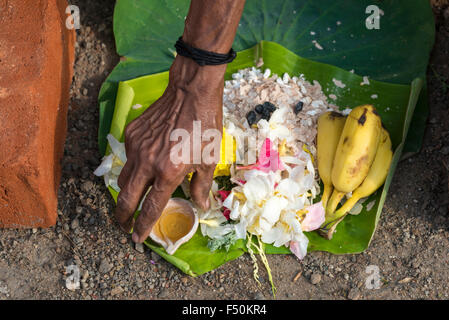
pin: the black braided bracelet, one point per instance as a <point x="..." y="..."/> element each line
<point x="203" y="57"/>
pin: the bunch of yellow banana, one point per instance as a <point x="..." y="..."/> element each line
<point x="354" y="155"/>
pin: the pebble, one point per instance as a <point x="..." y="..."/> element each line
<point x="116" y="291"/>
<point x="105" y="266"/>
<point x="259" y="296"/>
<point x="87" y="186"/>
<point x="354" y="294"/>
<point x="155" y="257"/>
<point x="139" y="247"/>
<point x="163" y="294"/>
<point x="123" y="240"/>
<point x="445" y="150"/>
<point x="75" y="223"/>
<point x="315" y="278"/>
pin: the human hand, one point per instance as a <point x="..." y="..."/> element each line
<point x="194" y="93"/>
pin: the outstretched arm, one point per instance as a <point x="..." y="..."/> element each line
<point x="194" y="93"/>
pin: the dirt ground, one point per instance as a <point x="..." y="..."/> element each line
<point x="410" y="247"/>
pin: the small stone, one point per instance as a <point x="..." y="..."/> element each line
<point x="34" y="230"/>
<point x="75" y="223"/>
<point x="87" y="186"/>
<point x="163" y="294"/>
<point x="116" y="291"/>
<point x="259" y="296"/>
<point x="123" y="240"/>
<point x="155" y="257"/>
<point x="315" y="278"/>
<point x="445" y="150"/>
<point x="354" y="294"/>
<point x="105" y="266"/>
<point x="139" y="247"/>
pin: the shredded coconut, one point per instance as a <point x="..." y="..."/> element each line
<point x="338" y="83"/>
<point x="317" y="45"/>
<point x="256" y="87"/>
<point x="365" y="81"/>
<point x="370" y="205"/>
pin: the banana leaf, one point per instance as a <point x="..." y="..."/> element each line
<point x="395" y="104"/>
<point x="396" y="54"/>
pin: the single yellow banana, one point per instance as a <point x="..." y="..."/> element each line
<point x="375" y="178"/>
<point x="356" y="148"/>
<point x="330" y="126"/>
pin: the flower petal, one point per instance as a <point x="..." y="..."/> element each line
<point x="314" y="217"/>
<point x="299" y="249"/>
<point x="105" y="166"/>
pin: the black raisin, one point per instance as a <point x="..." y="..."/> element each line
<point x="259" y="108"/>
<point x="251" y="117"/>
<point x="269" y="106"/>
<point x="266" y="115"/>
<point x="298" y="107"/>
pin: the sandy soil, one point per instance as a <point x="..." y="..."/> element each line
<point x="410" y="247"/>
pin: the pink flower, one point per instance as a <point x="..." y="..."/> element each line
<point x="227" y="213"/>
<point x="223" y="195"/>
<point x="296" y="249"/>
<point x="314" y="217"/>
<point x="268" y="159"/>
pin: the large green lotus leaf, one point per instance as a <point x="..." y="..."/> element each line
<point x="146" y="30"/>
<point x="395" y="103"/>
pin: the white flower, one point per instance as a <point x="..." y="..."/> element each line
<point x="275" y="129"/>
<point x="112" y="164"/>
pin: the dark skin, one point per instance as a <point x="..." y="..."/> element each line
<point x="194" y="93"/>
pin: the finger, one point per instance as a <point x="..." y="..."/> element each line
<point x="129" y="198"/>
<point x="154" y="204"/>
<point x="200" y="186"/>
<point x="125" y="174"/>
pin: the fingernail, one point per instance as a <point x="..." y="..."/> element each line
<point x="135" y="237"/>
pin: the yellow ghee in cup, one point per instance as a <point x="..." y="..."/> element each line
<point x="173" y="224"/>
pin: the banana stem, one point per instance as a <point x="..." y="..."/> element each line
<point x="334" y="218"/>
<point x="326" y="194"/>
<point x="332" y="204"/>
<point x="347" y="205"/>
